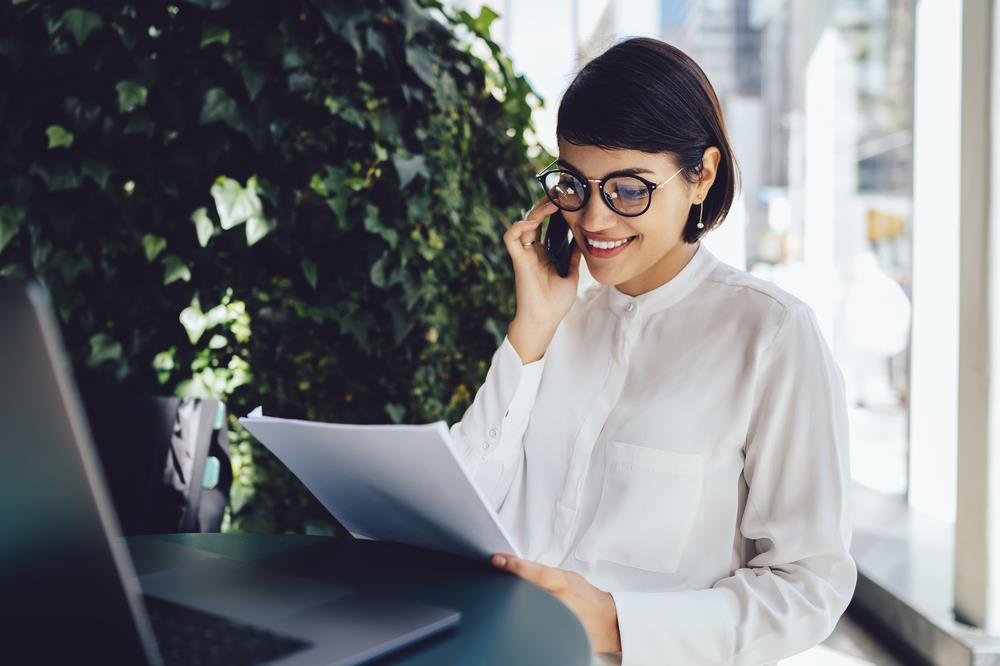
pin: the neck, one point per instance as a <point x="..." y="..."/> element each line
<point x="662" y="272"/>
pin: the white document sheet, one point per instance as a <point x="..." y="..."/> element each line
<point x="402" y="483"/>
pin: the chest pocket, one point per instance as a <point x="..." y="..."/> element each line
<point x="648" y="505"/>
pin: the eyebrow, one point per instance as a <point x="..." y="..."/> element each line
<point x="631" y="171"/>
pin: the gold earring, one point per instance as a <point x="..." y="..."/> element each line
<point x="701" y="212"/>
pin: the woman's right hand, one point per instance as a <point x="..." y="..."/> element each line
<point x="543" y="296"/>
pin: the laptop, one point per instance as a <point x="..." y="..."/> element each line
<point x="69" y="587"/>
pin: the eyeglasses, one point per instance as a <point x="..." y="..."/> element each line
<point x="629" y="196"/>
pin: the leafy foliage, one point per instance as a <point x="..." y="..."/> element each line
<point x="292" y="204"/>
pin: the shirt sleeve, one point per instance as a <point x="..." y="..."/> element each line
<point x="792" y="592"/>
<point x="491" y="433"/>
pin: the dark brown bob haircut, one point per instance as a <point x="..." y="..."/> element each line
<point x="643" y="94"/>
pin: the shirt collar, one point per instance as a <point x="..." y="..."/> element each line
<point x="697" y="269"/>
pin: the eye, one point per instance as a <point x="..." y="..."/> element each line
<point x="631" y="193"/>
<point x="627" y="189"/>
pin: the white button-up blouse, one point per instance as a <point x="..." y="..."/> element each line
<point x="685" y="450"/>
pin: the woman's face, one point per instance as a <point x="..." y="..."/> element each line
<point x="656" y="250"/>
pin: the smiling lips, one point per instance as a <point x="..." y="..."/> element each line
<point x="604" y="249"/>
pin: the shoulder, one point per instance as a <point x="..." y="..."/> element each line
<point x="758" y="304"/>
<point x="745" y="288"/>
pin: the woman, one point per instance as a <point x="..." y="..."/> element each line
<point x="668" y="448"/>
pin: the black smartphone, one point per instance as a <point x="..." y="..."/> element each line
<point x="559" y="243"/>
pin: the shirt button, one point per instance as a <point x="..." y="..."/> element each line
<point x="486" y="445"/>
<point x="630" y="306"/>
<point x="493" y="432"/>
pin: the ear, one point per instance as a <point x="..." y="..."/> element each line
<point x="709" y="170"/>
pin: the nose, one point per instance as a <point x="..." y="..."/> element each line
<point x="596" y="216"/>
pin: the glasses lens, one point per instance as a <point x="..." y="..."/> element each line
<point x="627" y="195"/>
<point x="564" y="189"/>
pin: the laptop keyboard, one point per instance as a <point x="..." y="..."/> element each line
<point x="192" y="637"/>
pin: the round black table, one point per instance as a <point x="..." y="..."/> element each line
<point x="505" y="621"/>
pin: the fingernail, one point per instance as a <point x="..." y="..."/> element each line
<point x="500" y="560"/>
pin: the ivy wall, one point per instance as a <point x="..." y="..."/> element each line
<point x="293" y="204"/>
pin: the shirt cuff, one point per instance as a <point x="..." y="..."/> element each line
<point x="531" y="377"/>
<point x="527" y="378"/>
<point x="690" y="627"/>
<point x="492" y="430"/>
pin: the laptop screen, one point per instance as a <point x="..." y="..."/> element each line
<point x="67" y="583"/>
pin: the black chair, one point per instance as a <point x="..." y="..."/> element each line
<point x="165" y="460"/>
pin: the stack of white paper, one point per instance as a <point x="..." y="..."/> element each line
<point x="389" y="482"/>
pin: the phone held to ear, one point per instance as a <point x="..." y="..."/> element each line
<point x="559" y="243"/>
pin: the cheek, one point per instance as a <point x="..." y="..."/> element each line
<point x="659" y="226"/>
<point x="668" y="217"/>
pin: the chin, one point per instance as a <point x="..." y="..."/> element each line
<point x="607" y="275"/>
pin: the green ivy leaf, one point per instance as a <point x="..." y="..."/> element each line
<point x="193" y="321"/>
<point x="97" y="172"/>
<point x="103" y="349"/>
<point x="495" y="329"/>
<point x="234" y="203"/>
<point x="298" y="82"/>
<point x="422" y="62"/>
<point x="373" y="224"/>
<point x="291" y="58"/>
<point x="254" y="78"/>
<point x="59" y="137"/>
<point x="217" y="315"/>
<point x="164" y="361"/>
<point x="210" y="4"/>
<point x="482" y="23"/>
<point x="81" y="23"/>
<point x="220" y="107"/>
<point x="409" y="168"/>
<point x="395" y="412"/>
<point x="377" y="273"/>
<point x="414" y="20"/>
<point x="257" y="228"/>
<point x="175" y="269"/>
<point x="213" y="34"/>
<point x="153" y="245"/>
<point x="434" y="239"/>
<point x="240" y="495"/>
<point x="340" y="107"/>
<point x="58" y="177"/>
<point x="309" y="270"/>
<point x="203" y="225"/>
<point x="317" y="185"/>
<point x="131" y="95"/>
<point x="358" y="324"/>
<point x="71" y="263"/>
<point x="342" y="25"/>
<point x="11" y="219"/>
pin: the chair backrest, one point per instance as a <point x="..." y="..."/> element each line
<point x="154" y="451"/>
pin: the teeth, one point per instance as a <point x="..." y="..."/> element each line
<point x="606" y="245"/>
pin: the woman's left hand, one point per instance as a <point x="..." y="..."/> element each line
<point x="595" y="608"/>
